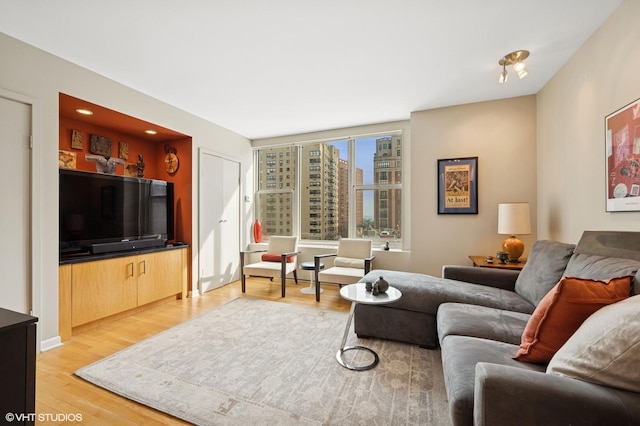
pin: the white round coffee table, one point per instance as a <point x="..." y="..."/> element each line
<point x="357" y="293"/>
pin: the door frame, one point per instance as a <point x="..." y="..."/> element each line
<point x="196" y="291"/>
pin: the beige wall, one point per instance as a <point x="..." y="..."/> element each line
<point x="39" y="76"/>
<point x="601" y="77"/>
<point x="502" y="134"/>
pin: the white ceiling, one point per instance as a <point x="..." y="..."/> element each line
<point x="275" y="67"/>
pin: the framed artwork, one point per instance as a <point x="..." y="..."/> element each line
<point x="458" y="186"/>
<point x="66" y="159"/>
<point x="622" y="152"/>
<point x="123" y="150"/>
<point x="76" y="139"/>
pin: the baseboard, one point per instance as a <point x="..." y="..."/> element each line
<point x="49" y="344"/>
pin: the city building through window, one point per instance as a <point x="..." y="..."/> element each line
<point x="347" y="188"/>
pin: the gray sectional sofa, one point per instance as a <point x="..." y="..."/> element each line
<point x="477" y="316"/>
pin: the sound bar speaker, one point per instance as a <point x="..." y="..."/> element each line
<point x="99" y="248"/>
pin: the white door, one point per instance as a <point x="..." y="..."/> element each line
<point x="219" y="231"/>
<point x="15" y="193"/>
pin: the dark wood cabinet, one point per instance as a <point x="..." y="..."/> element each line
<point x="17" y="367"/>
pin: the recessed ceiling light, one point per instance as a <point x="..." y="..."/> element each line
<point x="151" y="132"/>
<point x="84" y="111"/>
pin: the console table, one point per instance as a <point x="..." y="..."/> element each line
<point x="18" y="365"/>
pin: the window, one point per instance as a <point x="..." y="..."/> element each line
<point x="272" y="197"/>
<point x="336" y="188"/>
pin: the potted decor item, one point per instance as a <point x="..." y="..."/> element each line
<point x="380" y="286"/>
<point x="257" y="231"/>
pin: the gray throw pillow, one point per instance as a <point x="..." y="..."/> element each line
<point x="545" y="266"/>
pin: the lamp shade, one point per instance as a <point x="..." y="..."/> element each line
<point x="514" y="219"/>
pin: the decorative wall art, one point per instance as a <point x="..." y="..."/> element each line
<point x="76" y="139"/>
<point x="131" y="170"/>
<point x="171" y="159"/>
<point x="66" y="159"/>
<point x="104" y="164"/>
<point x="135" y="169"/>
<point x="458" y="186"/>
<point x="100" y="145"/>
<point x="123" y="150"/>
<point x="622" y="142"/>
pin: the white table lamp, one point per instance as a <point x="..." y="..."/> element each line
<point x="513" y="219"/>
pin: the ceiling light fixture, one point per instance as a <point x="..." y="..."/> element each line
<point x="503" y="75"/>
<point x="151" y="132"/>
<point x="516" y="60"/>
<point x="84" y="111"/>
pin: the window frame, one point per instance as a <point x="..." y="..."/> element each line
<point x="353" y="188"/>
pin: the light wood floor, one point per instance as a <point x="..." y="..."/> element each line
<point x="59" y="393"/>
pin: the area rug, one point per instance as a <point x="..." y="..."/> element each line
<point x="256" y="362"/>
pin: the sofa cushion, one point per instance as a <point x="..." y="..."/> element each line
<point x="270" y="257"/>
<point x="563" y="310"/>
<point x="347" y="262"/>
<point x="480" y="321"/>
<point x="357" y="248"/>
<point x="599" y="267"/>
<point x="424" y="293"/>
<point x="545" y="266"/>
<point x="460" y="354"/>
<point x="605" y="349"/>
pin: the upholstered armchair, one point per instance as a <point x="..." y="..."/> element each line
<point x="279" y="259"/>
<point x="352" y="261"/>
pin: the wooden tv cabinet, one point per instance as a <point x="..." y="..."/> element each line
<point x="109" y="287"/>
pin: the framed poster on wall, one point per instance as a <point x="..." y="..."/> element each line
<point x="622" y="142"/>
<point x="458" y="186"/>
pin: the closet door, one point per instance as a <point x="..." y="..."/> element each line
<point x="15" y="191"/>
<point x="219" y="221"/>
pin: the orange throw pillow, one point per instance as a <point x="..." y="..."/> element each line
<point x="563" y="310"/>
<point x="268" y="257"/>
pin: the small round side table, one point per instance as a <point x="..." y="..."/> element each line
<point x="309" y="266"/>
<point x="357" y="293"/>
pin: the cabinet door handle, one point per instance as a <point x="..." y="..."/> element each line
<point x="144" y="266"/>
<point x="131" y="267"/>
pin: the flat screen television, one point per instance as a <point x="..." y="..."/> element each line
<point x="101" y="213"/>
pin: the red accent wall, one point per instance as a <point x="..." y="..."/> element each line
<point x="151" y="149"/>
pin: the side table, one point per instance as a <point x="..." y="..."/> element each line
<point x="481" y="262"/>
<point x="309" y="266"/>
<point x="357" y="293"/>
